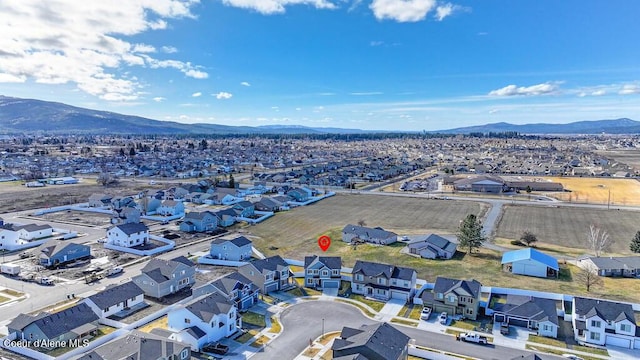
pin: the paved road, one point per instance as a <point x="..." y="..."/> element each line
<point x="303" y="321"/>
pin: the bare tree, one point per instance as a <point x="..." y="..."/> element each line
<point x="106" y="179"/>
<point x="588" y="276"/>
<point x="361" y="222"/>
<point x="528" y="238"/>
<point x="598" y="240"/>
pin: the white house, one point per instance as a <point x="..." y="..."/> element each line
<point x="533" y="313"/>
<point x="530" y="262"/>
<point x="207" y="319"/>
<point x="604" y="323"/>
<point x="9" y="239"/>
<point x="171" y="208"/>
<point x="237" y="249"/>
<point x="116" y="298"/>
<point x="34" y="231"/>
<point x="128" y="235"/>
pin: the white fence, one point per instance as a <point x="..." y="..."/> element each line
<point x="208" y="260"/>
<point x="170" y="245"/>
<point x="430" y="354"/>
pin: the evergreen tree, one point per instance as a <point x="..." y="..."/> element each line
<point x="635" y="243"/>
<point x="232" y="182"/>
<point x="470" y="234"/>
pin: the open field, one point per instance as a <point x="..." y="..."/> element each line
<point x="596" y="190"/>
<point x="295" y="232"/>
<point x="568" y="226"/>
<point x="630" y="157"/>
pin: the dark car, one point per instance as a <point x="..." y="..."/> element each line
<point x="216" y="348"/>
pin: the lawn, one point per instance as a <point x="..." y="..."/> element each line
<point x="547" y="341"/>
<point x="294" y="233"/>
<point x="404" y="322"/>
<point x="568" y="226"/>
<point x="262" y="340"/>
<point x="598" y="190"/>
<point x="247" y="336"/>
<point x="254" y="319"/>
<point x="161" y="323"/>
<point x="542" y="349"/>
<point x="13" y="293"/>
<point x="375" y="305"/>
<point x="414" y="311"/>
<point x="361" y="307"/>
<point x="275" y="325"/>
<point x="3" y="299"/>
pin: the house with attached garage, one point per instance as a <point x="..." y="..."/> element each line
<point x="433" y="247"/>
<point x="55" y="253"/>
<point x="206" y="319"/>
<point x="139" y="345"/>
<point x="128" y="235"/>
<point x="100" y="200"/>
<point x="195" y="221"/>
<point x="529" y="312"/>
<point x="530" y="262"/>
<point x="170" y="208"/>
<point x="298" y="194"/>
<point x="160" y="278"/>
<point x="267" y="204"/>
<point x="453" y="296"/>
<point x="322" y="272"/>
<point x="238" y="248"/>
<point x="627" y="266"/>
<point x="270" y="274"/>
<point x="235" y="287"/>
<point x="604" y="323"/>
<point x="352" y="233"/>
<point x="372" y="342"/>
<point x="383" y="281"/>
<point x="116" y="298"/>
<point x="75" y="323"/>
<point x="245" y="209"/>
<point x="33" y="231"/>
<point x="226" y="217"/>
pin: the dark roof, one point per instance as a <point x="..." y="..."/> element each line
<point x="379" y="341"/>
<point x="229" y="212"/>
<point x="183" y="260"/>
<point x="238" y="241"/>
<point x="161" y="270"/>
<point x="210" y="305"/>
<point x="606" y="310"/>
<point x="196" y="332"/>
<point x="115" y="294"/>
<point x="444" y="285"/>
<point x="244" y="204"/>
<point x="56" y="324"/>
<point x="35" y="227"/>
<point x="232" y="282"/>
<point x="625" y="262"/>
<point x="51" y="248"/>
<point x="22" y="320"/>
<point x="368" y="233"/>
<point x="389" y="271"/>
<point x="332" y="262"/>
<point x="132" y="228"/>
<point x="271" y="263"/>
<point x="197" y="215"/>
<point x="136" y="345"/>
<point x="532" y="308"/>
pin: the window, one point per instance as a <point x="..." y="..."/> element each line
<point x="184" y="354"/>
<point x="469" y="311"/>
<point x="451" y="298"/>
<point x="625" y="327"/>
<point x="285" y="272"/>
<point x="546" y="327"/>
<point x="335" y="272"/>
<point x="594" y="336"/>
<point x="440" y="296"/>
<point x="325" y="273"/>
<point x="596" y="323"/>
<point x="359" y="277"/>
<point x="106" y="309"/>
<point x="309" y="281"/>
<point x="382" y="281"/>
<point x="187" y="321"/>
<point x="310" y="272"/>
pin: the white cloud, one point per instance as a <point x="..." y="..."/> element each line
<point x="196" y="94"/>
<point x="598" y="93"/>
<point x="444" y="10"/>
<point x="370" y="93"/>
<point x="376" y="43"/>
<point x="85" y="43"/>
<point x="402" y="10"/>
<point x="222" y="95"/>
<point x="169" y="49"/>
<point x="159" y="99"/>
<point x="629" y="89"/>
<point x="269" y="7"/>
<point x="244" y="83"/>
<point x="513" y="90"/>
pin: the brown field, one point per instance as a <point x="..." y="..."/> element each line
<point x="295" y="232"/>
<point x="568" y="226"/>
<point x="630" y="157"/>
<point x="596" y="190"/>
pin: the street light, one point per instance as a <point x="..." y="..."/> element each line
<point x="322" y="337"/>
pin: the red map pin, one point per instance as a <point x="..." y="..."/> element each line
<point x="324" y="242"/>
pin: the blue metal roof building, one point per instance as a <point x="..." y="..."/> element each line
<point x="530" y="262"/>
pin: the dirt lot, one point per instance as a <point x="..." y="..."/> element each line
<point x="568" y="226"/>
<point x="295" y="232"/>
<point x="597" y="190"/>
<point x="630" y="157"/>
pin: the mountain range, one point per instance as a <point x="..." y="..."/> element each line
<point x="36" y="116"/>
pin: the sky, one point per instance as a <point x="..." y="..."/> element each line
<point x="367" y="64"/>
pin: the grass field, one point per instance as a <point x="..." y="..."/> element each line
<point x="596" y="190"/>
<point x="295" y="232"/>
<point x="568" y="226"/>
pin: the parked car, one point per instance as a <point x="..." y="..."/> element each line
<point x="474" y="338"/>
<point x="571" y="357"/>
<point x="504" y="329"/>
<point x="216" y="348"/>
<point x="426" y="313"/>
<point x="443" y="318"/>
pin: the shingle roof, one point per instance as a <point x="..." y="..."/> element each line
<point x="238" y="241"/>
<point x="132" y="228"/>
<point x="606" y="310"/>
<point x="115" y="294"/>
<point x="444" y="285"/>
<point x="210" y="305"/>
<point x="53" y="247"/>
<point x="161" y="270"/>
<point x="22" y="320"/>
<point x="197" y="215"/>
<point x="66" y="320"/>
<point x="369" y="233"/>
<point x="271" y="263"/>
<point x="530" y="254"/>
<point x="434" y="240"/>
<point x="532" y="308"/>
<point x="625" y="262"/>
<point x="389" y="271"/>
<point x="332" y="262"/>
<point x="379" y="341"/>
<point x="136" y="345"/>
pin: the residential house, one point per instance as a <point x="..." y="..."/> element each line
<point x="530" y="262"/>
<point x="228" y="196"/>
<point x="128" y="235"/>
<point x="267" y="204"/>
<point x="170" y="208"/>
<point x="244" y="209"/>
<point x="603" y="322"/>
<point x="199" y="221"/>
<point x="237" y="249"/>
<point x="75" y="323"/>
<point x="628" y="266"/>
<point x="9" y="239"/>
<point x="160" y="278"/>
<point x="226" y="217"/>
<point x="139" y="345"/>
<point x="372" y="342"/>
<point x="529" y="312"/>
<point x="270" y="274"/>
<point x="100" y="200"/>
<point x="377" y="235"/>
<point x="322" y="272"/>
<point x="235" y="287"/>
<point x="55" y="253"/>
<point x="122" y="202"/>
<point x="34" y="231"/>
<point x="126" y="215"/>
<point x="383" y="281"/>
<point x="455" y="297"/>
<point x="298" y="194"/>
<point x="206" y="319"/>
<point x="433" y="247"/>
<point x="116" y="298"/>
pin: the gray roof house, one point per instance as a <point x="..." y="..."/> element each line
<point x="195" y="221"/>
<point x="376" y="235"/>
<point x="270" y="274"/>
<point x="237" y="249"/>
<point x="371" y="342"/>
<point x="433" y="247"/>
<point x="54" y="253"/>
<point x="453" y="296"/>
<point x="322" y="272"/>
<point x="116" y="298"/>
<point x="603" y="322"/>
<point x="76" y="322"/>
<point x="628" y="266"/>
<point x="235" y="287"/>
<point x="160" y="278"/>
<point x="530" y="312"/>
<point x="383" y="281"/>
<point x="137" y="345"/>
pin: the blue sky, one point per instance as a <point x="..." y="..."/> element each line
<point x="369" y="64"/>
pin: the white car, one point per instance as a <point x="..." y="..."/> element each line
<point x="443" y="318"/>
<point x="572" y="357"/>
<point x="426" y="313"/>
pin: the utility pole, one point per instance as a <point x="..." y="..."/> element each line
<point x="609" y="200"/>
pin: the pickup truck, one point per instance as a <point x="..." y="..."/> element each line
<point x="474" y="338"/>
<point x="216" y="348"/>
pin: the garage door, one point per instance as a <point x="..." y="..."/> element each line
<point x="518" y="322"/>
<point x="271" y="287"/>
<point x="637" y="344"/>
<point x="399" y="295"/>
<point x="499" y="318"/>
<point x="331" y="284"/>
<point x="616" y="341"/>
